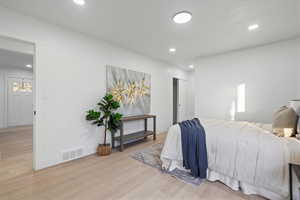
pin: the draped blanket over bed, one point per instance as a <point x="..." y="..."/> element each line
<point x="242" y="155"/>
<point x="194" y="154"/>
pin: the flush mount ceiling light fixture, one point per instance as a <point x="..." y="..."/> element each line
<point x="253" y="27"/>
<point x="79" y="2"/>
<point x="182" y="17"/>
<point x="29" y="66"/>
<point x="191" y="66"/>
<point x="172" y="50"/>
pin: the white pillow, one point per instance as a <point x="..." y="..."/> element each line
<point x="295" y="104"/>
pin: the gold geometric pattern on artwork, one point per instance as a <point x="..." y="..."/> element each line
<point x="118" y="91"/>
<point x="130" y="92"/>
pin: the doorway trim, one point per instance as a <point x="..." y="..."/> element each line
<point x="34" y="96"/>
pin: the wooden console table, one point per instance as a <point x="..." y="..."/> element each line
<point x="137" y="135"/>
<point x="296" y="168"/>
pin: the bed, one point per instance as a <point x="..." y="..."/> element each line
<point x="245" y="156"/>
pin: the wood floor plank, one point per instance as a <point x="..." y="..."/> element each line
<point x="94" y="178"/>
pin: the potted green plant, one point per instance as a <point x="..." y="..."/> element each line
<point x="106" y="115"/>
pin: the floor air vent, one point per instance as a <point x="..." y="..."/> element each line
<point x="72" y="154"/>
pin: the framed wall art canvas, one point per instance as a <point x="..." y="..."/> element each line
<point x="131" y="88"/>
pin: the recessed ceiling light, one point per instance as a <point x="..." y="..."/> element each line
<point x="191" y="66"/>
<point x="29" y="66"/>
<point x="172" y="50"/>
<point x="253" y="27"/>
<point x="79" y="2"/>
<point x="182" y="17"/>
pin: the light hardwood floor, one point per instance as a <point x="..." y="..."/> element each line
<point x="94" y="178"/>
<point x="15" y="152"/>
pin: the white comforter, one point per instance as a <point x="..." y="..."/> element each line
<point x="241" y="154"/>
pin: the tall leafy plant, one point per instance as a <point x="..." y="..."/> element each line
<point x="106" y="115"/>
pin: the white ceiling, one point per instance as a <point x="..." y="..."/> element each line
<point x="145" y="26"/>
<point x="15" y="59"/>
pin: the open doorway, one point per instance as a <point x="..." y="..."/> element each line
<point x="175" y="100"/>
<point x="16" y="107"/>
<point x="180" y="100"/>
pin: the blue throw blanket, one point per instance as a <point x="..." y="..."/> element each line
<point x="194" y="147"/>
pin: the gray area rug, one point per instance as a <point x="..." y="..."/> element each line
<point x="151" y="156"/>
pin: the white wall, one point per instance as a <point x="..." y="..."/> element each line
<point x="298" y="50"/>
<point x="16" y="46"/>
<point x="2" y="101"/>
<point x="6" y="71"/>
<point x="70" y="79"/>
<point x="191" y="94"/>
<point x="270" y="73"/>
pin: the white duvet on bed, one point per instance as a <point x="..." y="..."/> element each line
<point x="241" y="155"/>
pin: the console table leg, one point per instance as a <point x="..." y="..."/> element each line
<point x="146" y="127"/>
<point x="121" y="137"/>
<point x="291" y="181"/>
<point x="154" y="128"/>
<point x="113" y="140"/>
